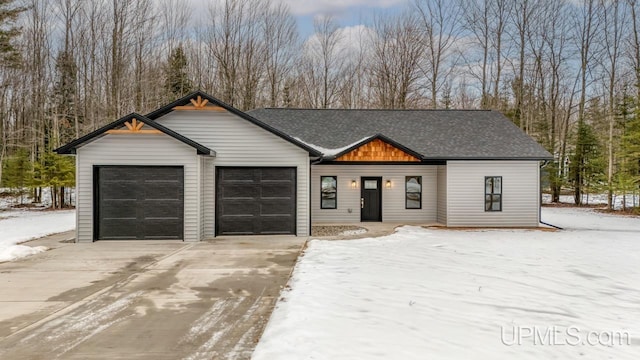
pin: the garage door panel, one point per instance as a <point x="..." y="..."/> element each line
<point x="276" y="189"/>
<point x="139" y="202"/>
<point x="233" y="189"/>
<point x="238" y="174"/>
<point x="233" y="207"/>
<point x="119" y="190"/>
<point x="238" y="225"/>
<point x="162" y="209"/>
<point x="115" y="229"/>
<point x="160" y="228"/>
<point x="116" y="209"/>
<point x="276" y="207"/>
<point x="167" y="190"/>
<point x="255" y="201"/>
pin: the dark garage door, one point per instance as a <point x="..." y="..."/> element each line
<point x="255" y="201"/>
<point x="139" y="202"/>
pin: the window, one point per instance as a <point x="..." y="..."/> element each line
<point x="413" y="192"/>
<point x="493" y="193"/>
<point x="328" y="193"/>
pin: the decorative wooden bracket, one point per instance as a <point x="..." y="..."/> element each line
<point x="134" y="127"/>
<point x="199" y="104"/>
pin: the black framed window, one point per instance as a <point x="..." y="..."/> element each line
<point x="493" y="193"/>
<point x="413" y="192"/>
<point x="328" y="192"/>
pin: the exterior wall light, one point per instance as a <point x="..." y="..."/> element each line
<point x="354" y="184"/>
<point x="388" y="184"/>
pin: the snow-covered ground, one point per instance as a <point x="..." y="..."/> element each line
<point x="596" y="199"/>
<point x="451" y="294"/>
<point x="20" y="226"/>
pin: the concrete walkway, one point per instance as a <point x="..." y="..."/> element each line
<point x="142" y="299"/>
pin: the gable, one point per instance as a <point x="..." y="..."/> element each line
<point x="132" y="124"/>
<point x="199" y="101"/>
<point x="377" y="150"/>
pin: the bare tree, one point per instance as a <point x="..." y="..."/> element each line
<point x="281" y="44"/>
<point x="397" y="51"/>
<point x="615" y="21"/>
<point x="440" y="20"/>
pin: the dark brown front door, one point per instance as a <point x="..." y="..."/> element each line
<point x="371" y="199"/>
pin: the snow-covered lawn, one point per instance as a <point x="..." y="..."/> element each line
<point x="596" y="199"/>
<point x="451" y="294"/>
<point x="20" y="226"/>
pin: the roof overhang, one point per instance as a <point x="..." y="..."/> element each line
<point x="127" y="121"/>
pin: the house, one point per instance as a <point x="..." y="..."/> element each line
<point x="199" y="168"/>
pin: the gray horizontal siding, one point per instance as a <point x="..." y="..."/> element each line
<point x="465" y="193"/>
<point x="442" y="194"/>
<point x="393" y="200"/>
<point x="238" y="142"/>
<point x="136" y="150"/>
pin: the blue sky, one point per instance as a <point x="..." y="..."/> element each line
<point x="345" y="12"/>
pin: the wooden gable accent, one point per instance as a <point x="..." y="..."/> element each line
<point x="199" y="104"/>
<point x="377" y="150"/>
<point x="134" y="127"/>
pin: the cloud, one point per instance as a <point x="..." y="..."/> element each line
<point x="299" y="7"/>
<point x="351" y="41"/>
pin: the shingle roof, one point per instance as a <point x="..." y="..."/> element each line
<point x="435" y="134"/>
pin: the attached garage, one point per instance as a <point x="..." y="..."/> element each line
<point x="139" y="202"/>
<point x="255" y="200"/>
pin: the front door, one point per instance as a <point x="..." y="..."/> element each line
<point x="371" y="199"/>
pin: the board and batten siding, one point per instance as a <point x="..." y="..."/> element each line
<point x="238" y="142"/>
<point x="136" y="150"/>
<point x="442" y="195"/>
<point x="520" y="193"/>
<point x="393" y="200"/>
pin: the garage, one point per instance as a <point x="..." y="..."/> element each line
<point x="139" y="202"/>
<point x="254" y="201"/>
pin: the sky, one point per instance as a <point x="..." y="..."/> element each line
<point x="347" y="13"/>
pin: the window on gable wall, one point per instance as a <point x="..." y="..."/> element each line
<point x="493" y="193"/>
<point x="413" y="192"/>
<point x="328" y="192"/>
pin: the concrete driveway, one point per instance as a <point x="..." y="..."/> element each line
<point x="142" y="299"/>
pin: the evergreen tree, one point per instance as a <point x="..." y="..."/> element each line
<point x="9" y="54"/>
<point x="56" y="172"/>
<point x="63" y="128"/>
<point x="628" y="175"/>
<point x="587" y="167"/>
<point x="177" y="82"/>
<point x="17" y="173"/>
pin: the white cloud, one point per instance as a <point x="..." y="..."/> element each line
<point x="351" y="41"/>
<point x="300" y="7"/>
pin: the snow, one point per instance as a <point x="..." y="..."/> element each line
<point x="596" y="199"/>
<point x="331" y="152"/>
<point x="452" y="294"/>
<point x="353" y="232"/>
<point x="19" y="226"/>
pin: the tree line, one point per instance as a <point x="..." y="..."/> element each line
<point x="566" y="72"/>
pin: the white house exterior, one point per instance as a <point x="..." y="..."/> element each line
<point x="198" y="168"/>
